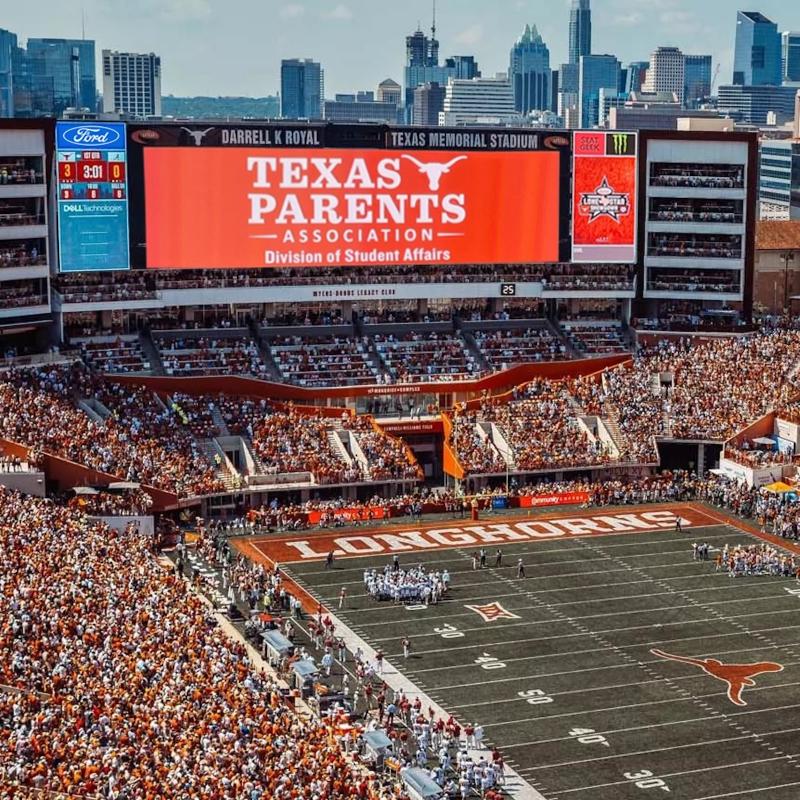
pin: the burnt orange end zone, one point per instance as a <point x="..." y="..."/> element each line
<point x="490" y="530"/>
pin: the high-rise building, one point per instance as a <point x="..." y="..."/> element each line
<point x="359" y="107"/>
<point x="790" y="56"/>
<point x="568" y="92"/>
<point x="635" y="76"/>
<point x="302" y="88"/>
<point x="422" y="51"/>
<point x="132" y="83"/>
<point x="752" y="104"/>
<point x="757" y="56"/>
<point x="428" y="102"/>
<point x="464" y="67"/>
<point x="779" y="180"/>
<point x="467" y="102"/>
<point x="529" y="72"/>
<point x="70" y="64"/>
<point x="666" y="72"/>
<point x="8" y="44"/>
<point x="390" y="91"/>
<point x="595" y="72"/>
<point x="580" y="30"/>
<point x="696" y="80"/>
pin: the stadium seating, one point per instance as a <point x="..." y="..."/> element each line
<point x="204" y="355"/>
<point x="415" y="357"/>
<point x="324" y="361"/>
<point x="595" y="339"/>
<point x="501" y="348"/>
<point x="118" y="355"/>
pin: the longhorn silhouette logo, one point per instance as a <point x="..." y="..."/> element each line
<point x="736" y="676"/>
<point x="198" y="136"/>
<point x="434" y="171"/>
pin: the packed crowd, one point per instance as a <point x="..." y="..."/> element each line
<point x="756" y="455"/>
<point x="387" y="457"/>
<point x="83" y="287"/>
<point x="134" y="502"/>
<point x="757" y="559"/>
<point x="21" y="294"/>
<point x="118" y="683"/>
<point x="141" y="441"/>
<point x="22" y="254"/>
<point x="538" y="430"/>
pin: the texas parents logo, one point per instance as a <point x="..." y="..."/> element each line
<point x="604" y="202"/>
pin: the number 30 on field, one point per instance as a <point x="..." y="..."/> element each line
<point x="645" y="780"/>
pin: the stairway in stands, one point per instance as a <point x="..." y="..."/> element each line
<point x="273" y="373"/>
<point x="219" y="422"/>
<point x="209" y="448"/>
<point x="151" y="354"/>
<point x="612" y="426"/>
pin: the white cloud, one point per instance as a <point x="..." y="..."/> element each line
<point x="292" y="11"/>
<point x="471" y="35"/>
<point x="628" y="20"/>
<point x="340" y="12"/>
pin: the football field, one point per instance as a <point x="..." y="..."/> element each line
<point x="617" y="668"/>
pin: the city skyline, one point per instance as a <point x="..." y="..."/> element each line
<point x="251" y="41"/>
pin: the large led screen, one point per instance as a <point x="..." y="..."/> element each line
<point x="604" y="197"/>
<point x="92" y="196"/>
<point x="245" y="207"/>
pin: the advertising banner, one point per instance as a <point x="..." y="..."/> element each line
<point x="246" y="207"/>
<point x="92" y="196"/>
<point x="555" y="499"/>
<point x="604" y="197"/>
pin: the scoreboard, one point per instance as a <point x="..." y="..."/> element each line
<point x="92" y="196"/>
<point x="91" y="175"/>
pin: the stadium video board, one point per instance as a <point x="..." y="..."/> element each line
<point x="92" y="196"/>
<point x="604" y="199"/>
<point x="338" y="196"/>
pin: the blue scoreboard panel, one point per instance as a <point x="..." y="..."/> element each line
<point x="92" y="196"/>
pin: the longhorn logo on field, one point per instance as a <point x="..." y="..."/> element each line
<point x="737" y="676"/>
<point x="433" y="171"/>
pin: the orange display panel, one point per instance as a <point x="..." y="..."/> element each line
<point x="248" y="207"/>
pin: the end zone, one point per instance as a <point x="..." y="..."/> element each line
<point x="442" y="535"/>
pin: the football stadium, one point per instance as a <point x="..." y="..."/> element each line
<point x="371" y="461"/>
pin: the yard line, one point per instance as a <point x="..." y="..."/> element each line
<point x="663" y="750"/>
<point x="692" y="772"/>
<point x="612" y="731"/>
<point x="630" y="705"/>
<point x="728" y="618"/>
<point x="726" y="602"/>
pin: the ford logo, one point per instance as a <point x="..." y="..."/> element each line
<point x="89" y="135"/>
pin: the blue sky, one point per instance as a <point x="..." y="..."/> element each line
<point x="235" y="46"/>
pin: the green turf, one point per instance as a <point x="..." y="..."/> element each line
<point x="589" y="611"/>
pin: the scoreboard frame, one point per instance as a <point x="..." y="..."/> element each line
<point x="91" y="178"/>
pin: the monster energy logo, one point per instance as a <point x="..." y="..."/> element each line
<point x="619" y="144"/>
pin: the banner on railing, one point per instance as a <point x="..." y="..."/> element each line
<point x="554" y="499"/>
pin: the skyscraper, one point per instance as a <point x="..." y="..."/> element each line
<point x="467" y="101"/>
<point x="70" y="64"/>
<point x="464" y="67"/>
<point x="389" y="91"/>
<point x="757" y="57"/>
<point x="580" y="30"/>
<point x="8" y="44"/>
<point x="595" y="72"/>
<point x="790" y="56"/>
<point x="696" y="80"/>
<point x="302" y="88"/>
<point x="428" y="102"/>
<point x="636" y="74"/>
<point x="529" y="72"/>
<point x="666" y="72"/>
<point x="132" y="83"/>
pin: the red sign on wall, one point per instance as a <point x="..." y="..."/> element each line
<point x="604" y="197"/>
